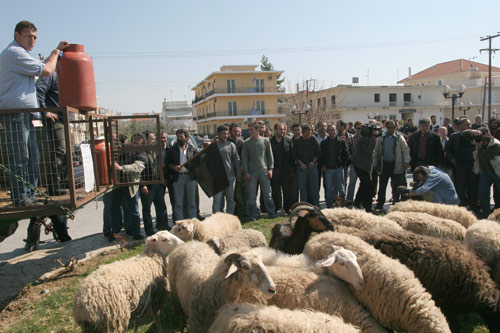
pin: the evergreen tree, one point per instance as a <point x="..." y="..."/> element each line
<point x="266" y="65"/>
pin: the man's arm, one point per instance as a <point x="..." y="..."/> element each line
<point x="428" y="185"/>
<point x="51" y="61"/>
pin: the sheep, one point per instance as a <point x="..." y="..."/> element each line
<point x="298" y="288"/>
<point x="392" y="293"/>
<point x="359" y="219"/>
<point x="108" y="298"/>
<point x="483" y="238"/>
<point x="495" y="215"/>
<point x="452" y="212"/>
<point x="266" y="319"/>
<point x="201" y="281"/>
<point x="425" y="224"/>
<point x="458" y="281"/>
<point x="240" y="240"/>
<point x="216" y="225"/>
<point x="291" y="239"/>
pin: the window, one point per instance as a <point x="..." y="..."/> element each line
<point x="231" y="86"/>
<point x="333" y="100"/>
<point x="393" y="99"/>
<point x="231" y="109"/>
<point x="376" y="98"/>
<point x="261" y="106"/>
<point x="319" y="101"/>
<point x="310" y="102"/>
<point x="324" y="100"/>
<point x="393" y="117"/>
<point x="215" y="129"/>
<point x="407" y="99"/>
<point x="260" y="85"/>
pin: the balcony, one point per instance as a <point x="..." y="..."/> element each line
<point x="236" y="90"/>
<point x="238" y="113"/>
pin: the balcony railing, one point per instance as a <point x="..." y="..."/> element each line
<point x="393" y="103"/>
<point x="236" y="90"/>
<point x="237" y="113"/>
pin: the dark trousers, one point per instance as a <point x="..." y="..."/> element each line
<point x="365" y="189"/>
<point x="156" y="196"/>
<point x="388" y="172"/>
<point x="57" y="153"/>
<point x="121" y="197"/>
<point x="294" y="187"/>
<point x="466" y="186"/>
<point x="280" y="185"/>
<point x="374" y="183"/>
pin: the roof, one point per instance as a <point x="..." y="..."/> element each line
<point x="254" y="72"/>
<point x="454" y="66"/>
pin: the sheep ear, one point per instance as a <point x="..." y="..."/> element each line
<point x="190" y="227"/>
<point x="328" y="261"/>
<point x="232" y="269"/>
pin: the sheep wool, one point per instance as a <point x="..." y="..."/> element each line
<point x="392" y="293"/>
<point x="270" y="319"/>
<point x="452" y="212"/>
<point x="425" y="224"/>
<point x="216" y="225"/>
<point x="359" y="219"/>
<point x="484" y="239"/>
<point x="242" y="240"/>
<point x="495" y="215"/>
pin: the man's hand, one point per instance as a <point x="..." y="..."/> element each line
<point x="323" y="168"/>
<point x="177" y="168"/>
<point x="118" y="167"/>
<point x="63" y="45"/>
<point x="51" y="116"/>
<point x="144" y="190"/>
<point x="302" y="166"/>
<point x="269" y="174"/>
<point x="247" y="176"/>
<point x="311" y="165"/>
<point x="406" y="166"/>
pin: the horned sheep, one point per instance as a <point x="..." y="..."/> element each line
<point x="201" y="282"/>
<point x="240" y="240"/>
<point x="216" y="225"/>
<point x="484" y="239"/>
<point x="270" y="319"/>
<point x="107" y="299"/>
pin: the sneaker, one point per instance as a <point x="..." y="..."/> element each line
<point x="138" y="237"/>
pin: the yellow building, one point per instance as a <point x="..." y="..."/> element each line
<point x="236" y="94"/>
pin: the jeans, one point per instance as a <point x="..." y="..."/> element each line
<point x="228" y="192"/>
<point x="156" y="196"/>
<point x="259" y="177"/>
<point x="130" y="205"/>
<point x="23" y="154"/>
<point x="308" y="185"/>
<point x="352" y="183"/>
<point x="334" y="183"/>
<point x="280" y="186"/>
<point x="185" y="184"/>
<point x="486" y="179"/>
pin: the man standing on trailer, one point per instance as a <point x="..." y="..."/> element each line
<point x="17" y="91"/>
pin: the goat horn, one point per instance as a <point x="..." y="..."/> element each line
<point x="300" y="203"/>
<point x="298" y="208"/>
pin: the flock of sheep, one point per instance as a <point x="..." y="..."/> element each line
<point x="330" y="270"/>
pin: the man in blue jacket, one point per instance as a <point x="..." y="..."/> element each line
<point x="436" y="185"/>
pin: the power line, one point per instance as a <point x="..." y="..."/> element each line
<point x="490" y="50"/>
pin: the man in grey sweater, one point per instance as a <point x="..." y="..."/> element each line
<point x="231" y="161"/>
<point x="257" y="160"/>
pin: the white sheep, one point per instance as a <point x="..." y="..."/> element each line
<point x="359" y="219"/>
<point x="452" y="212"/>
<point x="241" y="240"/>
<point x="233" y="318"/>
<point x="216" y="225"/>
<point x="201" y="281"/>
<point x="425" y="224"/>
<point x="108" y="298"/>
<point x="392" y="293"/>
<point x="483" y="238"/>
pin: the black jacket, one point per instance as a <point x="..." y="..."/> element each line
<point x="434" y="149"/>
<point x="338" y="158"/>
<point x="287" y="143"/>
<point x="173" y="158"/>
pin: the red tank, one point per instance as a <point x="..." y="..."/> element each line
<point x="101" y="162"/>
<point x="75" y="73"/>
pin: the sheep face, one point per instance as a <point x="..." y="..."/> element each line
<point x="343" y="264"/>
<point x="163" y="242"/>
<point x="249" y="269"/>
<point x="184" y="229"/>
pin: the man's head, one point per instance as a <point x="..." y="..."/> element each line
<point x="306" y="132"/>
<point x="423" y="125"/>
<point x="137" y="140"/>
<point x="123" y="138"/>
<point x="234" y="130"/>
<point x="479" y="119"/>
<point x="465" y="124"/>
<point x="410" y="121"/>
<point x="420" y="173"/>
<point x="442" y="132"/>
<point x="297" y="130"/>
<point x="150" y="137"/>
<point x="25" y="34"/>
<point x="390" y="125"/>
<point x="262" y="128"/>
<point x="357" y="127"/>
<point x="493" y="124"/>
<point x="279" y="129"/>
<point x="446" y="121"/>
<point x="222" y="133"/>
<point x="341" y="126"/>
<point x="332" y="131"/>
<point x="322" y="126"/>
<point x="433" y="120"/>
<point x="182" y="137"/>
<point x="163" y="138"/>
<point x="254" y="130"/>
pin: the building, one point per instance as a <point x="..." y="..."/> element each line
<point x="236" y="94"/>
<point x="177" y="114"/>
<point x="421" y="95"/>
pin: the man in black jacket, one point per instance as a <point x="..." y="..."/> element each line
<point x="183" y="179"/>
<point x="334" y="157"/>
<point x="281" y="146"/>
<point x="307" y="152"/>
<point x="425" y="146"/>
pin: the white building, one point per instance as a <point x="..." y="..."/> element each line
<point x="177" y="114"/>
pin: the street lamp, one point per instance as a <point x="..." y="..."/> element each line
<point x="465" y="108"/>
<point x="448" y="92"/>
<point x="305" y="110"/>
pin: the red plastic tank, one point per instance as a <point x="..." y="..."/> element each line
<point x="102" y="163"/>
<point x="75" y="73"/>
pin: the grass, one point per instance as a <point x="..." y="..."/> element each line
<point x="53" y="312"/>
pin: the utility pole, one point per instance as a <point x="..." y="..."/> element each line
<point x="490" y="50"/>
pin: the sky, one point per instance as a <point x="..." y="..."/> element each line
<point x="145" y="51"/>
